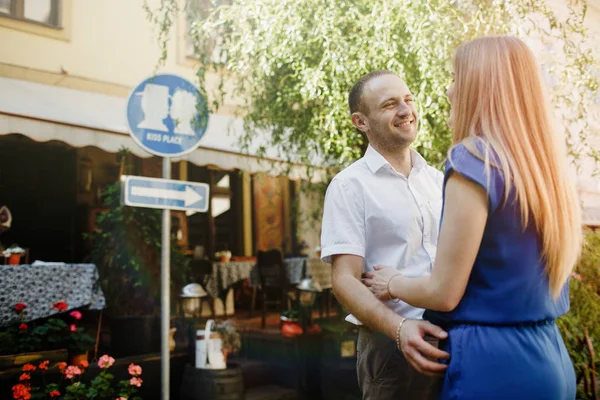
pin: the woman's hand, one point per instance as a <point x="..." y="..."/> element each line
<point x="377" y="281"/>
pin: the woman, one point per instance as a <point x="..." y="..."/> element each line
<point x="510" y="234"/>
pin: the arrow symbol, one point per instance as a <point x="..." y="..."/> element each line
<point x="189" y="196"/>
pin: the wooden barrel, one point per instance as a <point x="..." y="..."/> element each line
<point x="212" y="384"/>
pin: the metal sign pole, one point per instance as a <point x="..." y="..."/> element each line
<point x="154" y="109"/>
<point x="165" y="285"/>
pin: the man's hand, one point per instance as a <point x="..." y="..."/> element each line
<point x="416" y="348"/>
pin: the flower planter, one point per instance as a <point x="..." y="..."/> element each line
<point x="290" y="329"/>
<point x="76" y="359"/>
<point x="18" y="360"/>
<point x="14" y="259"/>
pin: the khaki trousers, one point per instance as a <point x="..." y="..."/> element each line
<point x="385" y="374"/>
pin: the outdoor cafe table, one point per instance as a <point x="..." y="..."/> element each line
<point x="40" y="285"/>
<point x="226" y="274"/>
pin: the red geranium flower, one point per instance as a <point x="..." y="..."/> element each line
<point x="23" y="327"/>
<point x="21" y="391"/>
<point x="54" y="393"/>
<point x="28" y="367"/>
<point x="60" y="306"/>
<point x="25" y="377"/>
<point x="20" y="307"/>
<point x="44" y="365"/>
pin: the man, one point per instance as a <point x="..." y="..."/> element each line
<point x="385" y="210"/>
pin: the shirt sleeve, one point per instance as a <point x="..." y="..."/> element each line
<point x="343" y="225"/>
<point x="473" y="168"/>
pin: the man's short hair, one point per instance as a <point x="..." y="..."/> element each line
<point x="355" y="96"/>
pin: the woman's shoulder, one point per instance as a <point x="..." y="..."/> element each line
<point x="477" y="160"/>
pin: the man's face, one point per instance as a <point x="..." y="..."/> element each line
<point x="389" y="112"/>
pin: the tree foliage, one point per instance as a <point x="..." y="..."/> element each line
<point x="581" y="326"/>
<point x="292" y="63"/>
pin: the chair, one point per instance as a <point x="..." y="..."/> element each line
<point x="201" y="272"/>
<point x="273" y="281"/>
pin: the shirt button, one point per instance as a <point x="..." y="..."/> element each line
<point x="425" y="234"/>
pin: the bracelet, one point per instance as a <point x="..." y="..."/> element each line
<point x="388" y="290"/>
<point x="398" y="332"/>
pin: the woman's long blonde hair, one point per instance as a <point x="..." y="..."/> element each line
<point x="499" y="96"/>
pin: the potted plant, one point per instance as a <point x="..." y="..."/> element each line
<point x="72" y="386"/>
<point x="79" y="343"/>
<point x="32" y="340"/>
<point x="13" y="253"/>
<point x="126" y="248"/>
<point x="291" y="322"/>
<point x="223" y="256"/>
<point x="231" y="340"/>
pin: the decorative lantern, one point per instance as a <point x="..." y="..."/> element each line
<point x="191" y="300"/>
<point x="308" y="289"/>
<point x="308" y="292"/>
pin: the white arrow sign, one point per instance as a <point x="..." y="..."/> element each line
<point x="139" y="191"/>
<point x="190" y="196"/>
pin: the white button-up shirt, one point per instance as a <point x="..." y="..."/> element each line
<point x="375" y="212"/>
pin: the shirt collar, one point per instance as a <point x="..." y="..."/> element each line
<point x="376" y="161"/>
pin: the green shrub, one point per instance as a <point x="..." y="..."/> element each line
<point x="581" y="326"/>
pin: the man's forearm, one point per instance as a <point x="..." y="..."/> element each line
<point x="358" y="300"/>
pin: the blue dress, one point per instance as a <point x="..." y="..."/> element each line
<point x="503" y="341"/>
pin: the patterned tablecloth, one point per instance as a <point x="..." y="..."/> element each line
<point x="40" y="286"/>
<point x="226" y="274"/>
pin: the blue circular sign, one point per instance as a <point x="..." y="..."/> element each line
<point x="167" y="115"/>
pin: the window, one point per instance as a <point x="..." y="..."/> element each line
<point x="221" y="228"/>
<point x="45" y="12"/>
<point x="197" y="10"/>
<point x="221" y="211"/>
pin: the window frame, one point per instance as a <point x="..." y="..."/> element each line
<point x="17" y="12"/>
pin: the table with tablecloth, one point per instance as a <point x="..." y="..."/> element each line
<point x="226" y="274"/>
<point x="41" y="285"/>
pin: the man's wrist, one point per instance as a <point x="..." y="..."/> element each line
<point x="392" y="326"/>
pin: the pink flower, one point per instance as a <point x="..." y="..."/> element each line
<point x="75" y="314"/>
<point x="106" y="361"/>
<point x="121" y="398"/>
<point x="134" y="370"/>
<point x="135" y="382"/>
<point x="575" y="275"/>
<point x="71" y="371"/>
<point x="72" y="327"/>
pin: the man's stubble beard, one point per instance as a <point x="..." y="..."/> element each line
<point x="387" y="141"/>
